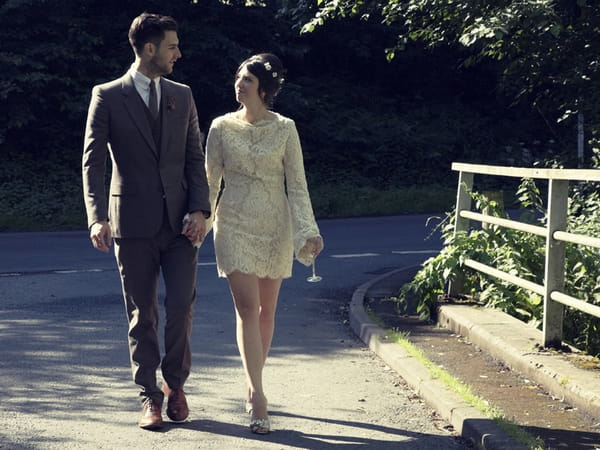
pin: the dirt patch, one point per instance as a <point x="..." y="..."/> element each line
<point x="557" y="423"/>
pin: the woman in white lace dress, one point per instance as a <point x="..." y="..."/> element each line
<point x="263" y="216"/>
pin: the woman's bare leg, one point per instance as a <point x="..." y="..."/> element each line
<point x="269" y="293"/>
<point x="255" y="303"/>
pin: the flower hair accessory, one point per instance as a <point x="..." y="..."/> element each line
<point x="268" y="69"/>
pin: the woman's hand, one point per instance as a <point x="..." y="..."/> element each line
<point x="315" y="245"/>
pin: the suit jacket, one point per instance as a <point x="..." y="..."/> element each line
<point x="145" y="176"/>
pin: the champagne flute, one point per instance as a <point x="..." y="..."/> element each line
<point x="314" y="278"/>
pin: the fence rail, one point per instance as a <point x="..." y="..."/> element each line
<point x="554" y="232"/>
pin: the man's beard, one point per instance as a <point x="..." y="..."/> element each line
<point x="160" y="68"/>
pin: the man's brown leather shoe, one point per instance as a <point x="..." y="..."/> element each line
<point x="151" y="416"/>
<point x="177" y="407"/>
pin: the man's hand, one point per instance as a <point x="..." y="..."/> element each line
<point x="194" y="227"/>
<point x="101" y="236"/>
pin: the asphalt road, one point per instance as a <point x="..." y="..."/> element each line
<point x="65" y="370"/>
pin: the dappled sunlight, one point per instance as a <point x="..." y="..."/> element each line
<point x="66" y="371"/>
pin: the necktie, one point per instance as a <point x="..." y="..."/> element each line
<point x="152" y="100"/>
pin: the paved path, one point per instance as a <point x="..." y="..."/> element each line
<point x="64" y="361"/>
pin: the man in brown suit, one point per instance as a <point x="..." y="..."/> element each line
<point x="149" y="127"/>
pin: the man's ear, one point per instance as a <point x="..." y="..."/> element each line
<point x="149" y="48"/>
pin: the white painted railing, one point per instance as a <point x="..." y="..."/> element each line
<point x="555" y="234"/>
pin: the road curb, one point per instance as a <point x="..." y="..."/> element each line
<point x="511" y="341"/>
<point x="466" y="420"/>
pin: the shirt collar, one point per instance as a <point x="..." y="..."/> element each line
<point x="142" y="80"/>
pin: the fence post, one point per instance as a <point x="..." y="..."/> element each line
<point x="554" y="274"/>
<point x="463" y="202"/>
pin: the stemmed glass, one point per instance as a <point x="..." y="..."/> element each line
<point x="314" y="278"/>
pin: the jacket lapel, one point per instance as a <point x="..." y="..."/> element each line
<point x="135" y="107"/>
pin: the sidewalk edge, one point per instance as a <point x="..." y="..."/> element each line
<point x="466" y="420"/>
<point x="569" y="383"/>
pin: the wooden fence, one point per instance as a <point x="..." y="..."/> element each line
<point x="555" y="234"/>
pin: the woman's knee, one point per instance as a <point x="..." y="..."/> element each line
<point x="247" y="310"/>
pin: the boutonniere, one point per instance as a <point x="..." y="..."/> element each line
<point x="170" y="104"/>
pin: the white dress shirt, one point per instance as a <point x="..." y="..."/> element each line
<point x="142" y="85"/>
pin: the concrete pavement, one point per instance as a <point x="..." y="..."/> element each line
<point x="66" y="381"/>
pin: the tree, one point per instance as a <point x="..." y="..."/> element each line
<point x="54" y="51"/>
<point x="547" y="48"/>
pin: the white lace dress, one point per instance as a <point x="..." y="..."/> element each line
<point x="264" y="212"/>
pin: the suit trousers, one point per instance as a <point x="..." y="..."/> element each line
<point x="140" y="262"/>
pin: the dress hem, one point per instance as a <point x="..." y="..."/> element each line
<point x="223" y="274"/>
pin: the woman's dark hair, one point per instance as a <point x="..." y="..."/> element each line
<point x="269" y="71"/>
<point x="149" y="28"/>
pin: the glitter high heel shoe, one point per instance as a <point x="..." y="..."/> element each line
<point x="260" y="426"/>
<point x="257" y="426"/>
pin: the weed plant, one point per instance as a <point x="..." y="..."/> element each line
<point x="521" y="254"/>
<point x="460" y="388"/>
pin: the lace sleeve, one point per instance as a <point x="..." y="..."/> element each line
<point x="304" y="225"/>
<point x="214" y="168"/>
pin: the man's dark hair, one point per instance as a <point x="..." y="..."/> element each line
<point x="149" y="27"/>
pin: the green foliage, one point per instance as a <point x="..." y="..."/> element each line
<point x="520" y="254"/>
<point x="346" y="200"/>
<point x="40" y="195"/>
<point x="388" y="142"/>
<point x="379" y="128"/>
<point x="506" y="250"/>
<point x="546" y="49"/>
<point x="55" y="51"/>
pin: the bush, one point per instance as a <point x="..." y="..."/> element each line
<point x="40" y="195"/>
<point x="520" y="254"/>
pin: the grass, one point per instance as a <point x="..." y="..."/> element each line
<point x="345" y="200"/>
<point x="47" y="196"/>
<point x="585" y="362"/>
<point x="462" y="389"/>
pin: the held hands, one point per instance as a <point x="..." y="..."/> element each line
<point x="194" y="227"/>
<point x="101" y="236"/>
